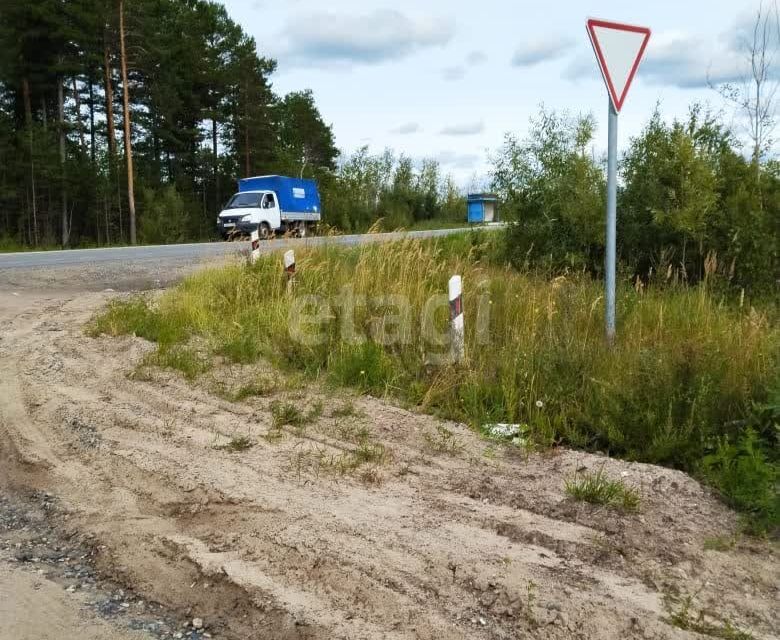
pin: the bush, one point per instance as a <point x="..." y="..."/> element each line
<point x="164" y="217"/>
<point x="747" y="478"/>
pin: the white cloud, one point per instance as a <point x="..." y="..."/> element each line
<point x="686" y="61"/>
<point x="467" y="129"/>
<point x="537" y="51"/>
<point x="406" y="129"/>
<point x="455" y="160"/>
<point x="326" y="38"/>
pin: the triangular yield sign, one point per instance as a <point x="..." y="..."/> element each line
<point x="619" y="49"/>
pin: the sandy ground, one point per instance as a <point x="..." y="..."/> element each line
<point x="447" y="537"/>
<point x="34" y="608"/>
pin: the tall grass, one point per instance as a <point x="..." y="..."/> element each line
<point x="685" y="375"/>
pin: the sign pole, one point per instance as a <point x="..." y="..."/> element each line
<point x="619" y="49"/>
<point x="610" y="259"/>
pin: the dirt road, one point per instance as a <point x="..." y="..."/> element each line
<point x="445" y="535"/>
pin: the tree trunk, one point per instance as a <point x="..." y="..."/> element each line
<point x="64" y="190"/>
<point x="214" y="142"/>
<point x="109" y="104"/>
<point x="128" y="141"/>
<point x="79" y="123"/>
<point x="91" y="119"/>
<point x="246" y="133"/>
<point x="28" y="121"/>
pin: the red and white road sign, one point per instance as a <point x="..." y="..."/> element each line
<point x="619" y="49"/>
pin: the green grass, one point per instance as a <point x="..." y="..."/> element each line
<point x="346" y="410"/>
<point x="690" y="375"/>
<point x="443" y="441"/>
<point x="288" y="414"/>
<point x="261" y="386"/>
<point x="180" y="358"/>
<point x="597" y="488"/>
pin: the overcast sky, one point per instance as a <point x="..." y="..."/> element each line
<point x="447" y="78"/>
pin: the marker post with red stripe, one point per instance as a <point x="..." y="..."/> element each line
<point x="289" y="268"/>
<point x="457" y="331"/>
<point x="255" y="246"/>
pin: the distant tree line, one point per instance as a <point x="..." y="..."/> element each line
<point x="394" y="189"/>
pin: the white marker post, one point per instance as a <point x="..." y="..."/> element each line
<point x="619" y="49"/>
<point x="289" y="268"/>
<point x="455" y="290"/>
<point x="255" y="246"/>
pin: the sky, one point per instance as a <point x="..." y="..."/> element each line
<point x="446" y="79"/>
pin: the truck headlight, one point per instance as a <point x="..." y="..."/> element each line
<point x="247" y="218"/>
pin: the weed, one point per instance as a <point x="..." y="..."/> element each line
<point x="530" y="599"/>
<point x="443" y="441"/>
<point x="747" y="478"/>
<point x="683" y="616"/>
<point x="288" y="414"/>
<point x="141" y="373"/>
<point x="352" y="432"/>
<point x="721" y="543"/>
<point x="167" y="427"/>
<point x="284" y="413"/>
<point x="263" y="386"/>
<point x="369" y="453"/>
<point x="274" y="434"/>
<point x="237" y="444"/>
<point x="597" y="488"/>
<point x="346" y="410"/>
<point x="180" y="358"/>
<point x="366" y="453"/>
<point x="372" y="476"/>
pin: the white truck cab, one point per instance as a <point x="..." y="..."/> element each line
<point x="251" y="210"/>
<point x="271" y="204"/>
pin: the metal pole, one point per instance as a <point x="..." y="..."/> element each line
<point x="609" y="279"/>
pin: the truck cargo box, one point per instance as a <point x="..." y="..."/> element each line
<point x="298" y="198"/>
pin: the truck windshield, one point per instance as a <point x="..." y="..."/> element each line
<point x="241" y="200"/>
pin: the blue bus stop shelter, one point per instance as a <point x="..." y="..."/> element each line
<point x="482" y="207"/>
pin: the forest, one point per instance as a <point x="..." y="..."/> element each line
<point x="111" y="112"/>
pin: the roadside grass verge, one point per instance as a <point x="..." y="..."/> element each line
<point x="690" y="383"/>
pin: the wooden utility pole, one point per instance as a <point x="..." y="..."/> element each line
<point x="128" y="141"/>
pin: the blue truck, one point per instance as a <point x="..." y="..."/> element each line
<point x="271" y="204"/>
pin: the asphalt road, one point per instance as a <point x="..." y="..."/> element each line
<point x="186" y="253"/>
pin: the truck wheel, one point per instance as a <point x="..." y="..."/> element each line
<point x="264" y="230"/>
<point x="301" y="231"/>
